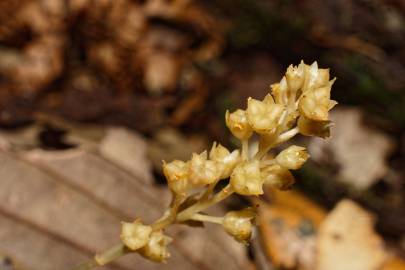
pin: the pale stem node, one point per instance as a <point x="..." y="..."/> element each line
<point x="171" y="217"/>
<point x="206" y="218"/>
<point x="245" y="149"/>
<point x="202" y="205"/>
<point x="287" y="135"/>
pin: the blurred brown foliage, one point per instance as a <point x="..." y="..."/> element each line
<point x="121" y="61"/>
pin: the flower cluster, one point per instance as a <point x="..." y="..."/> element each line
<point x="298" y="104"/>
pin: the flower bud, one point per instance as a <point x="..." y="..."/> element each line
<point x="263" y="117"/>
<point x="268" y="99"/>
<point x="278" y="91"/>
<point x="246" y="180"/>
<point x="239" y="224"/>
<point x="156" y="248"/>
<point x="295" y="76"/>
<point x="277" y="177"/>
<point x="203" y="171"/>
<point x="238" y="124"/>
<point x="177" y="173"/>
<point x="308" y="127"/>
<point x="135" y="235"/>
<point x="225" y="160"/>
<point x="315" y="104"/>
<point x="315" y="77"/>
<point x="293" y="157"/>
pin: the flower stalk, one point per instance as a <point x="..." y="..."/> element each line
<point x="298" y="104"/>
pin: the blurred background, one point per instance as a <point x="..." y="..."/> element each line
<point x="95" y="93"/>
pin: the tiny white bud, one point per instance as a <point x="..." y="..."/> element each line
<point x="177" y="174"/>
<point x="135" y="235"/>
<point x="277" y="176"/>
<point x="238" y="124"/>
<point x="293" y="157"/>
<point x="262" y="116"/>
<point x="276" y="93"/>
<point x="268" y="99"/>
<point x="156" y="248"/>
<point x="246" y="179"/>
<point x="315" y="103"/>
<point x="203" y="171"/>
<point x="310" y="127"/>
<point x="295" y="76"/>
<point x="239" y="224"/>
<point x="315" y="77"/>
<point x="225" y="160"/>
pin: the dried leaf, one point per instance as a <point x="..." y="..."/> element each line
<point x="360" y="165"/>
<point x="394" y="264"/>
<point x="297" y="234"/>
<point x="127" y="150"/>
<point x="68" y="205"/>
<point x="348" y="241"/>
<point x="289" y="226"/>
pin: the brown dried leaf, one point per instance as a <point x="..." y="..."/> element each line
<point x="127" y="150"/>
<point x="348" y="241"/>
<point x="394" y="264"/>
<point x="289" y="226"/>
<point x="67" y="205"/>
<point x="297" y="234"/>
<point x="359" y="151"/>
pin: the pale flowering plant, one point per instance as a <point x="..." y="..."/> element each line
<point x="298" y="104"/>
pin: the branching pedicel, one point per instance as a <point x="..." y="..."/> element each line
<point x="299" y="103"/>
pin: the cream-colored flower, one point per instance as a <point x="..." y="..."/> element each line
<point x="295" y="76"/>
<point x="246" y="180"/>
<point x="277" y="176"/>
<point x="310" y="127"/>
<point x="203" y="171"/>
<point x="135" y="235"/>
<point x="280" y="92"/>
<point x="177" y="174"/>
<point x="315" y="77"/>
<point x="263" y="117"/>
<point x="239" y="224"/>
<point x="156" y="248"/>
<point x="316" y="103"/>
<point x="293" y="157"/>
<point x="225" y="160"/>
<point x="268" y="99"/>
<point x="238" y="124"/>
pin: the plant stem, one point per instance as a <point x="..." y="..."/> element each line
<point x="171" y="217"/>
<point x="202" y="205"/>
<point x="208" y="191"/>
<point x="111" y="254"/>
<point x="245" y="149"/>
<point x="200" y="217"/>
<point x="101" y="259"/>
<point x="287" y="135"/>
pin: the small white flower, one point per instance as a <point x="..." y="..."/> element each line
<point x="156" y="248"/>
<point x="239" y="224"/>
<point x="238" y="124"/>
<point x="226" y="160"/>
<point x="177" y="174"/>
<point x="246" y="179"/>
<point x="263" y="116"/>
<point x="293" y="157"/>
<point x="135" y="235"/>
